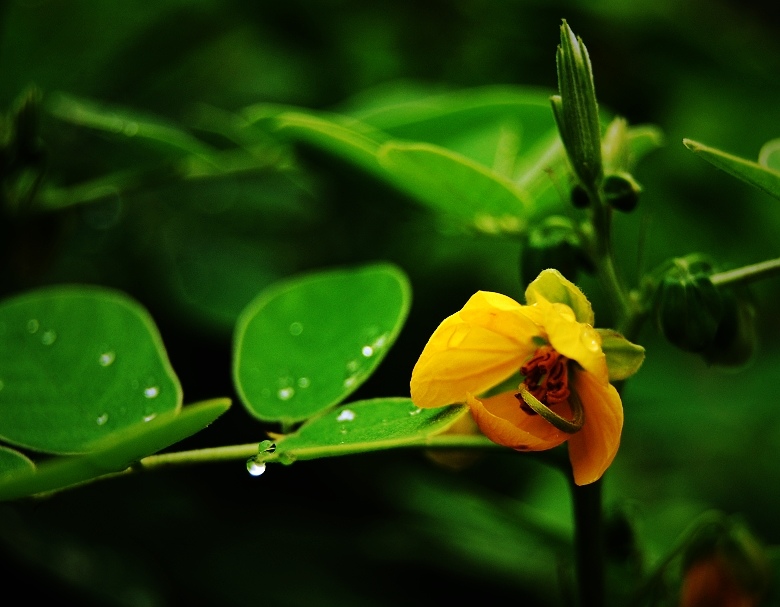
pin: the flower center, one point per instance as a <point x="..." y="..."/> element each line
<point x="546" y="378"/>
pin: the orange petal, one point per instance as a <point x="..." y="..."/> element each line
<point x="503" y="421"/>
<point x="592" y="449"/>
<point x="473" y="350"/>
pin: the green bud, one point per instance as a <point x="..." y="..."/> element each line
<point x="735" y="340"/>
<point x="579" y="197"/>
<point x="576" y="110"/>
<point x="688" y="307"/>
<point x="554" y="243"/>
<point x="621" y="191"/>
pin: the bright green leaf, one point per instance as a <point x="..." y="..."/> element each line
<point x="623" y="357"/>
<point x="13" y="461"/>
<point x="370" y="425"/>
<point x="113" y="453"/>
<point x="76" y="364"/>
<point x="304" y="344"/>
<point x="454" y="185"/>
<point x="762" y="177"/>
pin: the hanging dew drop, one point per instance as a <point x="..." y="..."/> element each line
<point x="254" y="468"/>
<point x="151" y="392"/>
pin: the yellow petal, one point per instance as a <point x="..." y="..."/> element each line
<point x="575" y="340"/>
<point x="473" y="350"/>
<point x="592" y="449"/>
<point x="501" y="419"/>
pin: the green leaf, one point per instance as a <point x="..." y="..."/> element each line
<point x="491" y="124"/>
<point x="762" y="177"/>
<point x="13" y="461"/>
<point x="453" y="184"/>
<point x="623" y="357"/>
<point x="113" y="453"/>
<point x="346" y="138"/>
<point x="304" y="344"/>
<point x="441" y="179"/>
<point x="370" y="425"/>
<point x="122" y="121"/>
<point x="76" y="364"/>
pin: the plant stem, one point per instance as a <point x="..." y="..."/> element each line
<point x="588" y="543"/>
<point x="757" y="271"/>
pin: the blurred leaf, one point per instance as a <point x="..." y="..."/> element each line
<point x="115" y="452"/>
<point x="483" y="123"/>
<point x="127" y="122"/>
<point x="370" y="425"/>
<point x="13" y="461"/>
<point x="345" y="138"/>
<point x="762" y="177"/>
<point x="452" y="184"/>
<point x="303" y="345"/>
<point x="79" y="363"/>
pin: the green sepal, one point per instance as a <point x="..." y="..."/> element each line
<point x="576" y="110"/>
<point x="552" y="286"/>
<point x="623" y="357"/>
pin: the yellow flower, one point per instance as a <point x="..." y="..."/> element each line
<point x="565" y="392"/>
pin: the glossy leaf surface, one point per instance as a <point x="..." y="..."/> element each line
<point x="305" y="344"/>
<point x="369" y="425"/>
<point x="76" y="364"/>
<point x="114" y="453"/>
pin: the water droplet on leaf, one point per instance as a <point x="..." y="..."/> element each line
<point x="367" y="351"/>
<point x="48" y="338"/>
<point x="151" y="392"/>
<point x="32" y="326"/>
<point x="415" y="411"/>
<point x="102" y="419"/>
<point x="106" y="359"/>
<point x="347" y="415"/>
<point x="296" y="328"/>
<point x="150" y="417"/>
<point x="285" y="393"/>
<point x="304" y="382"/>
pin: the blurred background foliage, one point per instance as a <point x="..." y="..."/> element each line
<point x="384" y="528"/>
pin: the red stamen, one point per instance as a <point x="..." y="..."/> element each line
<point x="546" y="378"/>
